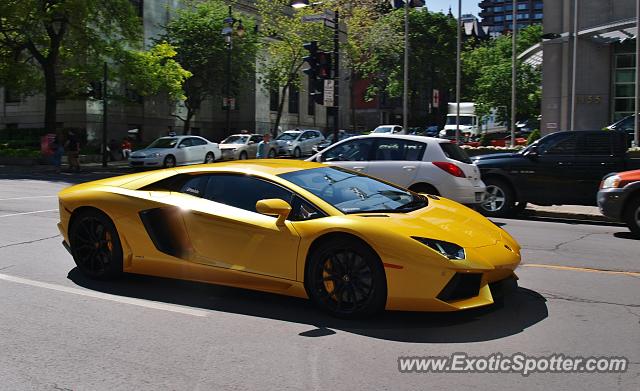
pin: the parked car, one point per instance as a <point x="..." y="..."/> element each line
<point x="619" y="198"/>
<point x="244" y="146"/>
<point x="392" y="129"/>
<point x="298" y="142"/>
<point x="342" y="135"/>
<point x="422" y="164"/>
<point x="560" y="168"/>
<point x="176" y="151"/>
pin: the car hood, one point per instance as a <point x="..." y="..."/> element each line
<point x="442" y="220"/>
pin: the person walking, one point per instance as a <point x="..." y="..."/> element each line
<point x="126" y="148"/>
<point x="73" y="152"/>
<point x="58" y="151"/>
<point x="263" y="146"/>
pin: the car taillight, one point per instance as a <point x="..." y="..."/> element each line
<point x="450" y="168"/>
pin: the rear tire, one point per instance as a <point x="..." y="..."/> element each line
<point x="272" y="153"/>
<point x="500" y="199"/>
<point x="297" y="153"/>
<point x="209" y="158"/>
<point x="95" y="245"/>
<point x="632" y="216"/>
<point x="345" y="278"/>
<point x="243" y="156"/>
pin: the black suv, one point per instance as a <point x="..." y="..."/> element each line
<point x="560" y="168"/>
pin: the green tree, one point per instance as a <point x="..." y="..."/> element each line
<point x="283" y="34"/>
<point x="58" y="47"/>
<point x="195" y="34"/>
<point x="487" y="70"/>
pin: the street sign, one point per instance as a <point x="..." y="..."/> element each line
<point x="329" y="90"/>
<point x="329" y="23"/>
<point x="314" y="18"/>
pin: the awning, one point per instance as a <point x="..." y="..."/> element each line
<point x="605" y="34"/>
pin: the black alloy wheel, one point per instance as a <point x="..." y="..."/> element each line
<point x="95" y="245"/>
<point x="272" y="153"/>
<point x="346" y="279"/>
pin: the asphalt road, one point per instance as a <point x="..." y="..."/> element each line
<point x="579" y="295"/>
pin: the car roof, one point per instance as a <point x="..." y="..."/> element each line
<point x="264" y="166"/>
<point x="180" y="137"/>
<point x="402" y="136"/>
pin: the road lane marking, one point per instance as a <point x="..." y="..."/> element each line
<point x="581" y="269"/>
<point x="106" y="296"/>
<point x="26" y="198"/>
<point x="30" y="213"/>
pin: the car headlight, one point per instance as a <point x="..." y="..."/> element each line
<point x="289" y="143"/>
<point x="610" y="182"/>
<point x="447" y="249"/>
<point x="155" y="155"/>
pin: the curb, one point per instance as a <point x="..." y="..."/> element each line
<point x="569" y="216"/>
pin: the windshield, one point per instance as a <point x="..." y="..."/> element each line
<point x="164" y="143"/>
<point x="235" y="140"/>
<point x="383" y="129"/>
<point x="351" y="192"/>
<point x="464" y="120"/>
<point x="288" y="136"/>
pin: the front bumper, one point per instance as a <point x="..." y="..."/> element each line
<point x="611" y="202"/>
<point x="471" y="192"/>
<point x="146" y="161"/>
<point x="229" y="154"/>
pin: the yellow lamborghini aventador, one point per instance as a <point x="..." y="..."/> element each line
<point x="351" y="243"/>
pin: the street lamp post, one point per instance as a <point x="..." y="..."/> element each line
<point x="231" y="25"/>
<point x="636" y="137"/>
<point x="458" y="70"/>
<point x="405" y="92"/>
<point x="514" y="37"/>
<point x="574" y="65"/>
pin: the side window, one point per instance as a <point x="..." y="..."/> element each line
<point x="561" y="144"/>
<point x="414" y="151"/>
<point x="193" y="186"/>
<point x="355" y="150"/>
<point x="197" y="141"/>
<point x="389" y="149"/>
<point x="598" y="144"/>
<point x="306" y="136"/>
<point x="256" y="139"/>
<point x="302" y="210"/>
<point x="242" y="191"/>
<point x="185" y="143"/>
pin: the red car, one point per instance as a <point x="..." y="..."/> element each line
<point x="619" y="198"/>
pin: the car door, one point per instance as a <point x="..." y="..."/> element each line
<point x="396" y="160"/>
<point x="226" y="231"/>
<point x="549" y="177"/>
<point x="352" y="154"/>
<point x="252" y="146"/>
<point x="198" y="149"/>
<point x="184" y="153"/>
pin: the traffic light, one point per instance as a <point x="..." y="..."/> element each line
<point x="319" y="69"/>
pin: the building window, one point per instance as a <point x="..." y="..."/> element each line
<point x="498" y="19"/>
<point x="523" y="7"/>
<point x="522" y="16"/>
<point x="508" y="17"/>
<point x="537" y="16"/>
<point x="537" y="6"/>
<point x="294" y="100"/>
<point x="274" y="99"/>
<point x="624" y="85"/>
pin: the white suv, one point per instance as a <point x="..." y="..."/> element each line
<point x="422" y="164"/>
<point x="298" y="142"/>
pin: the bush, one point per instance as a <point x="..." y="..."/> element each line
<point x="533" y="136"/>
<point x="19" y="152"/>
<point x="485" y="140"/>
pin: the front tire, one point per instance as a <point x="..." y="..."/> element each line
<point x="169" y="161"/>
<point x="243" y="156"/>
<point x="500" y="199"/>
<point x="95" y="245"/>
<point x="272" y="153"/>
<point x="345" y="278"/>
<point x="632" y="216"/>
<point x="297" y="153"/>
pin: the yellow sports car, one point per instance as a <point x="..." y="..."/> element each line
<point x="351" y="243"/>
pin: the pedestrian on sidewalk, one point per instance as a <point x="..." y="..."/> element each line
<point x="58" y="151"/>
<point x="73" y="152"/>
<point x="126" y="148"/>
<point x="263" y="146"/>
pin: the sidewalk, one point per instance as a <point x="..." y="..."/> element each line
<point x="117" y="168"/>
<point x="573" y="212"/>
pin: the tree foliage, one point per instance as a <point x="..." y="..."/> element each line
<point x="195" y="33"/>
<point x="59" y="46"/>
<point x="283" y="34"/>
<point x="487" y="70"/>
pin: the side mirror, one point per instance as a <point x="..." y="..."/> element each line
<point x="251" y="142"/>
<point x="181" y="146"/>
<point x="274" y="207"/>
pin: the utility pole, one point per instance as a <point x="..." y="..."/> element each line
<point x="514" y="37"/>
<point x="405" y="92"/>
<point x="336" y="74"/>
<point x="458" y="70"/>
<point x="636" y="137"/>
<point x="105" y="79"/>
<point x="574" y="65"/>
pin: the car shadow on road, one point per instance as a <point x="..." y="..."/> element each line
<point x="518" y="311"/>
